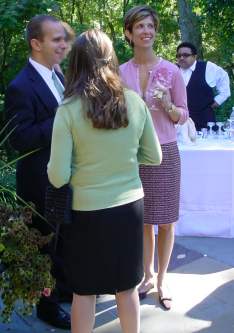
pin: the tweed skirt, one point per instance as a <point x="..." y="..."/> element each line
<point x="103" y="250"/>
<point x="162" y="187"/>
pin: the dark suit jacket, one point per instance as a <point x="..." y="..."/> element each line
<point x="31" y="106"/>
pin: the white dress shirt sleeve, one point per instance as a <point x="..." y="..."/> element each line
<point x="218" y="77"/>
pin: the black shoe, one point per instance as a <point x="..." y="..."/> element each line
<point x="56" y="317"/>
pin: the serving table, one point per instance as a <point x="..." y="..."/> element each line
<point x="207" y="189"/>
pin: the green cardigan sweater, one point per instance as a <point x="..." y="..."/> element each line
<point x="102" y="165"/>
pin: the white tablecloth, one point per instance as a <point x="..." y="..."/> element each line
<point x="207" y="189"/>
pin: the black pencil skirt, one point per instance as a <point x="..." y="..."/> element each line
<point x="103" y="250"/>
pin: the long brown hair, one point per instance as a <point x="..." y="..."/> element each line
<point x="93" y="75"/>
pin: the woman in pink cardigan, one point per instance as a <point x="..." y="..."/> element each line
<point x="161" y="85"/>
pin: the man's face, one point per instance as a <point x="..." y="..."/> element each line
<point x="185" y="58"/>
<point x="52" y="47"/>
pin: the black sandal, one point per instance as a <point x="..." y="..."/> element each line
<point x="163" y="303"/>
<point x="143" y="294"/>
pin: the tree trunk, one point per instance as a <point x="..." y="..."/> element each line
<point x="189" y="25"/>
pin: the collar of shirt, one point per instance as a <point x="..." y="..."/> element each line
<point x="46" y="74"/>
<point x="186" y="73"/>
<point x="192" y="68"/>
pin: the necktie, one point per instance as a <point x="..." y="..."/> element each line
<point x="58" y="85"/>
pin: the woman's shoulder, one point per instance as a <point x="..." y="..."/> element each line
<point x="125" y="65"/>
<point x="70" y="102"/>
<point x="168" y="65"/>
<point x="134" y="103"/>
<point x="131" y="94"/>
<point x="70" y="106"/>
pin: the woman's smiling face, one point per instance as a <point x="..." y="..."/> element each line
<point x="143" y="33"/>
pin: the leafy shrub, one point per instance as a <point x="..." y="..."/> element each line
<point x="24" y="269"/>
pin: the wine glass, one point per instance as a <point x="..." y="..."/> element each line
<point x="219" y="132"/>
<point x="204" y="132"/>
<point x="161" y="82"/>
<point x="210" y="124"/>
<point x="226" y="128"/>
<point x="231" y="129"/>
<point x="199" y="135"/>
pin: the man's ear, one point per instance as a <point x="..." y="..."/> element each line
<point x="35" y="44"/>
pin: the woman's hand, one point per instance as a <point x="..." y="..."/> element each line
<point x="162" y="94"/>
<point x="163" y="97"/>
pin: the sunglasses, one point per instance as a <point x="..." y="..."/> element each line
<point x="184" y="55"/>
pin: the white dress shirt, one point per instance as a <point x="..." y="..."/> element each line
<point x="46" y="74"/>
<point x="215" y="77"/>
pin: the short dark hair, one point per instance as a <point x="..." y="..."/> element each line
<point x="34" y="27"/>
<point x="189" y="45"/>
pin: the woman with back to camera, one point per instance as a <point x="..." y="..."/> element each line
<point x="161" y="86"/>
<point x="100" y="134"/>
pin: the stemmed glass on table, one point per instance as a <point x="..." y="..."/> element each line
<point x="210" y="124"/>
<point x="231" y="129"/>
<point x="226" y="128"/>
<point x="219" y="124"/>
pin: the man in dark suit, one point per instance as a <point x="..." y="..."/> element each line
<point x="201" y="78"/>
<point x="31" y="102"/>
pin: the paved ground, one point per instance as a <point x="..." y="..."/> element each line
<point x="201" y="280"/>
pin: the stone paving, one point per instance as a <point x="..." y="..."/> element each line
<point x="201" y="280"/>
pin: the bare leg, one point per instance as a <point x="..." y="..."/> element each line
<point x="129" y="310"/>
<point x="149" y="247"/>
<point x="83" y="313"/>
<point x="165" y="246"/>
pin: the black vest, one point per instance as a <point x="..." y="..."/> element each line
<point x="200" y="97"/>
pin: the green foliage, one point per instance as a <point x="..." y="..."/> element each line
<point x="218" y="26"/>
<point x="7" y="185"/>
<point x="224" y="111"/>
<point x="25" y="271"/>
<point x="215" y="18"/>
<point x="218" y="41"/>
<point x="14" y="15"/>
<point x="7" y="173"/>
